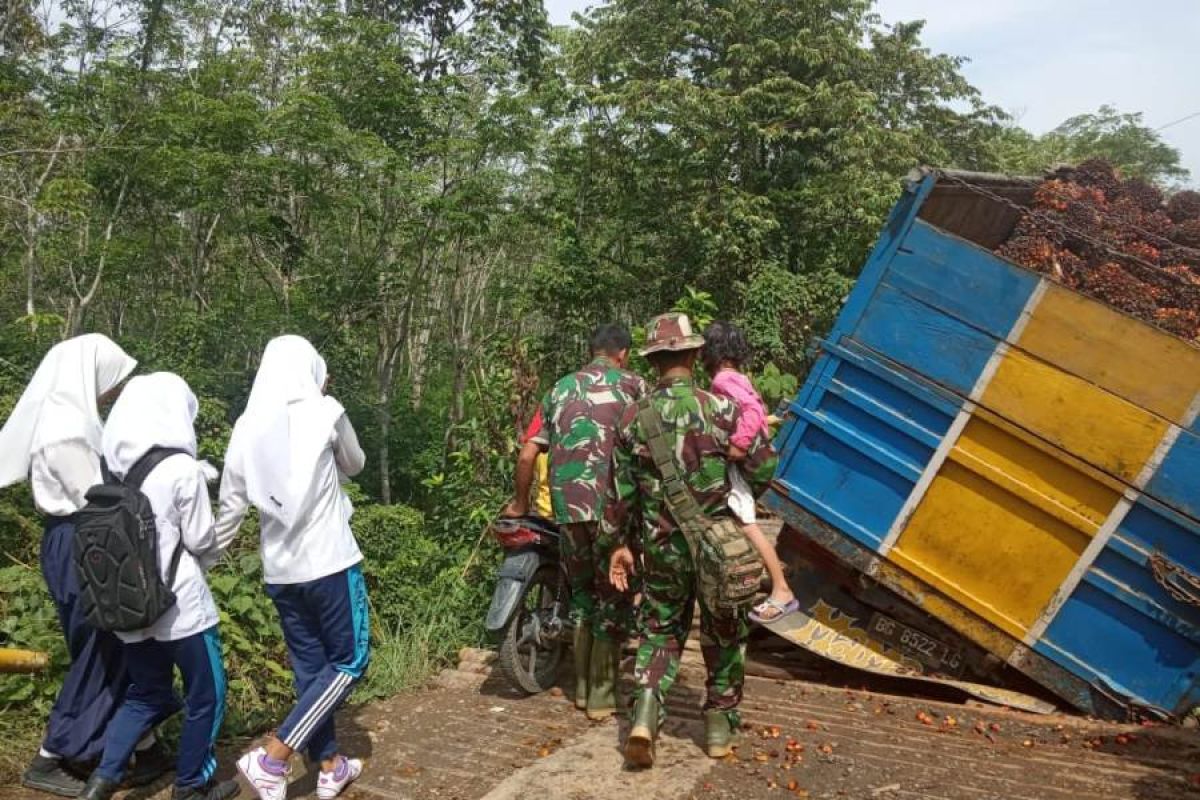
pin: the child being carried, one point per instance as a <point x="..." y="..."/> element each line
<point x="725" y="352"/>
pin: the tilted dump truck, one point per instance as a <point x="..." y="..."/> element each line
<point x="988" y="477"/>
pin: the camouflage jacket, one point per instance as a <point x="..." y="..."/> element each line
<point x="582" y="411"/>
<point x="699" y="425"/>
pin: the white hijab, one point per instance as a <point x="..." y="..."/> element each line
<point x="285" y="429"/>
<point x="60" y="403"/>
<point x="157" y="410"/>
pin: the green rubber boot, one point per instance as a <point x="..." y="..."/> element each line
<point x="583" y="664"/>
<point x="639" y="747"/>
<point x="719" y="729"/>
<point x="602" y="679"/>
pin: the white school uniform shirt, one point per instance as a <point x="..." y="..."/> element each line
<point x="288" y="453"/>
<point x="319" y="542"/>
<point x="155" y="411"/>
<point x="178" y="493"/>
<point x="52" y="438"/>
<point x="60" y="476"/>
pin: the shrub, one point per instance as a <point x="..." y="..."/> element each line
<point x="28" y="621"/>
<point x="383" y="532"/>
<point x="785" y="314"/>
<point x="402" y="563"/>
<point x="423" y="607"/>
<point x="256" y="663"/>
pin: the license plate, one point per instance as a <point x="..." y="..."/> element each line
<point x="931" y="652"/>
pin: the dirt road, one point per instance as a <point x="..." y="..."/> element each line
<point x="810" y="740"/>
<point x="468" y="737"/>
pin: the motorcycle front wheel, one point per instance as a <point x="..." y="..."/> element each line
<point x="532" y="644"/>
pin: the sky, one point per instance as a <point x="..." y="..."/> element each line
<point x="1047" y="60"/>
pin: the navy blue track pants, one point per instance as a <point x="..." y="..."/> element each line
<point x="326" y="626"/>
<point x="96" y="681"/>
<point x="151" y="699"/>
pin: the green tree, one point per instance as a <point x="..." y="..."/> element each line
<point x="711" y="142"/>
<point x="1122" y="139"/>
<point x="446" y="196"/>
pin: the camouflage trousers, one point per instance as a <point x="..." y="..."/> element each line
<point x="595" y="602"/>
<point x="664" y="619"/>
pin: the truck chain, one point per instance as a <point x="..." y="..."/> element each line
<point x="1170" y="576"/>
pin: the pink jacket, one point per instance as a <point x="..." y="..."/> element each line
<point x="752" y="412"/>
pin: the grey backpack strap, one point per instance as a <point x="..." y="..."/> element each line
<point x="137" y="476"/>
<point x="676" y="494"/>
<point x="142" y="468"/>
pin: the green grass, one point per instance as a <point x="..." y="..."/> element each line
<point x="20" y="737"/>
<point x="405" y="656"/>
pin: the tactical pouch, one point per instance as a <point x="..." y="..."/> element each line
<point x="728" y="568"/>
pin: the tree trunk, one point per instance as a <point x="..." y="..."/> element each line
<point x="83" y="300"/>
<point x="150" y="32"/>
<point x="30" y="308"/>
<point x="385" y="376"/>
<point x="458" y="408"/>
<point x="31" y="233"/>
<point x="383" y="418"/>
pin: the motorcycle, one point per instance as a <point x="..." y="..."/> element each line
<point x="530" y="604"/>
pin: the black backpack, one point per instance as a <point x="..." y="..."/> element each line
<point x="116" y="552"/>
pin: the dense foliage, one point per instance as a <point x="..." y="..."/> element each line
<point x="444" y="195"/>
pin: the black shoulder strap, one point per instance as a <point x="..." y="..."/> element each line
<point x="173" y="569"/>
<point x="145" y="465"/>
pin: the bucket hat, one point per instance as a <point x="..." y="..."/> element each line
<point x="671" y="332"/>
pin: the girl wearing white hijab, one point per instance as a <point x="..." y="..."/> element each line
<point x="287" y="455"/>
<point x="157" y="412"/>
<point x="52" y="439"/>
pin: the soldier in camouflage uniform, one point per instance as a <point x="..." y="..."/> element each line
<point x="698" y="426"/>
<point x="581" y="413"/>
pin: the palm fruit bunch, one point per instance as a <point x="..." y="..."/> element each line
<point x="1118" y="240"/>
<point x="1187" y="233"/>
<point x="1184" y="206"/>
